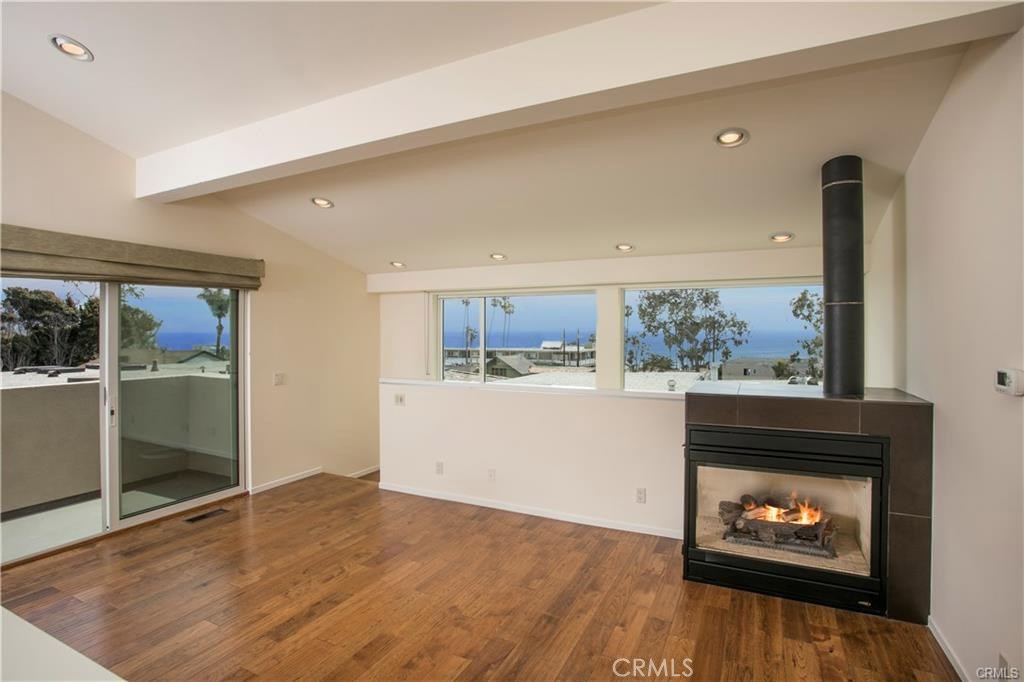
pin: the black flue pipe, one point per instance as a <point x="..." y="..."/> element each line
<point x="842" y="209"/>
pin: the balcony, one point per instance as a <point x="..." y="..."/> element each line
<point x="175" y="442"/>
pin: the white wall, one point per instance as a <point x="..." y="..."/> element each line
<point x="571" y="455"/>
<point x="311" y="320"/>
<point x="563" y="453"/>
<point x="965" y="296"/>
<point x="885" y="296"/>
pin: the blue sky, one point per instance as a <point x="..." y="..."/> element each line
<point x="766" y="308"/>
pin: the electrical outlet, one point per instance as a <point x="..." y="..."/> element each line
<point x="641" y="495"/>
<point x="279" y="378"/>
<point x="492" y="475"/>
<point x="399" y="400"/>
<point x="439" y="468"/>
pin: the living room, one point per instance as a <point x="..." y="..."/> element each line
<point x="560" y="340"/>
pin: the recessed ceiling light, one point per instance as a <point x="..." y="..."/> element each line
<point x="71" y="47"/>
<point x="320" y="202"/>
<point x="781" y="237"/>
<point x="625" y="248"/>
<point x="732" y="137"/>
<point x="398" y="264"/>
<point x="498" y="256"/>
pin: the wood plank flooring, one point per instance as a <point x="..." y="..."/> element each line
<point x="330" y="578"/>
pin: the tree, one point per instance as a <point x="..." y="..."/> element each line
<point x="693" y="325"/>
<point x="809" y="308"/>
<point x="508" y="309"/>
<point x="782" y="369"/>
<point x="37" y="328"/>
<point x="469" y="331"/>
<point x="657" y="363"/>
<point x="636" y="349"/>
<point x="495" y="304"/>
<point x="138" y="328"/>
<point x="219" y="302"/>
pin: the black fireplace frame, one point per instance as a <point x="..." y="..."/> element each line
<point x="797" y="452"/>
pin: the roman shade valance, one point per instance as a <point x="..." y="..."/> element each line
<point x="28" y="252"/>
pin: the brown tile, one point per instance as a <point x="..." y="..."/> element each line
<point x="909" y="583"/>
<point x="909" y="428"/>
<point x="805" y="414"/>
<point x="908" y="589"/>
<point x="892" y="395"/>
<point x="711" y="409"/>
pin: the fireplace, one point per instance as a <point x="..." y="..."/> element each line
<point x="788" y="513"/>
<point x="816" y="494"/>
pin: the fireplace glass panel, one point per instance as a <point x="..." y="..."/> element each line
<point x="814" y="521"/>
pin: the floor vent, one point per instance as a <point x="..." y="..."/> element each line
<point x="202" y="517"/>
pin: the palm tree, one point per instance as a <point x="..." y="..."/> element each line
<point x="219" y="301"/>
<point x="495" y="304"/>
<point x="508" y="308"/>
<point x="465" y="306"/>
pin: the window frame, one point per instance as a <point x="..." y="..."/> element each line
<point x="435" y="334"/>
<point x="437" y="302"/>
<point x="699" y="284"/>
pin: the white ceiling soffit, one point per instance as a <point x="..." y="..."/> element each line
<point x="650" y="54"/>
<point x="650" y="175"/>
<point x="168" y="73"/>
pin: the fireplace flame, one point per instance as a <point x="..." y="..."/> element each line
<point x="808" y="514"/>
<point x="803" y="513"/>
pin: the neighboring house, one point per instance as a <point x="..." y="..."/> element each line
<point x="749" y="368"/>
<point x="508" y="366"/>
<point x="200" y="357"/>
<point x="167" y="357"/>
<point x="549" y="353"/>
<point x="760" y="369"/>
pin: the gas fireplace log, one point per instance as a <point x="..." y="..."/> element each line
<point x="728" y="512"/>
<point x="755" y="513"/>
<point x="748" y="502"/>
<point x="761" y="512"/>
<point x="772" y="532"/>
<point x="792" y="515"/>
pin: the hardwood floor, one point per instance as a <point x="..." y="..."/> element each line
<point x="332" y="578"/>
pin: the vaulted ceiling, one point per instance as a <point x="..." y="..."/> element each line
<point x="167" y="73"/>
<point x="651" y="176"/>
<point x="446" y="131"/>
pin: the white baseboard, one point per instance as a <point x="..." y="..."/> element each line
<point x="263" y="487"/>
<point x="363" y="472"/>
<point x="946" y="649"/>
<point x="536" y="511"/>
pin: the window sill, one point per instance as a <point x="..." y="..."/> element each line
<point x="551" y="390"/>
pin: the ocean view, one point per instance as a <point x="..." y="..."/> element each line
<point x="762" y="343"/>
<point x="189" y="340"/>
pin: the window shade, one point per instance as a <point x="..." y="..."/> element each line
<point x="28" y="252"/>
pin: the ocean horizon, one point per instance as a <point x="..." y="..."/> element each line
<point x="761" y="343"/>
<point x="190" y="340"/>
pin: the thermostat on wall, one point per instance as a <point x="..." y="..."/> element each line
<point x="1010" y="381"/>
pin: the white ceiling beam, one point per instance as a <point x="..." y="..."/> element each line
<point x="668" y="50"/>
<point x="789" y="263"/>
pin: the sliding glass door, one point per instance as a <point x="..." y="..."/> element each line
<point x="177" y="431"/>
<point x="121" y="403"/>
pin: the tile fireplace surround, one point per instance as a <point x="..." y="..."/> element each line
<point x="903" y="419"/>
